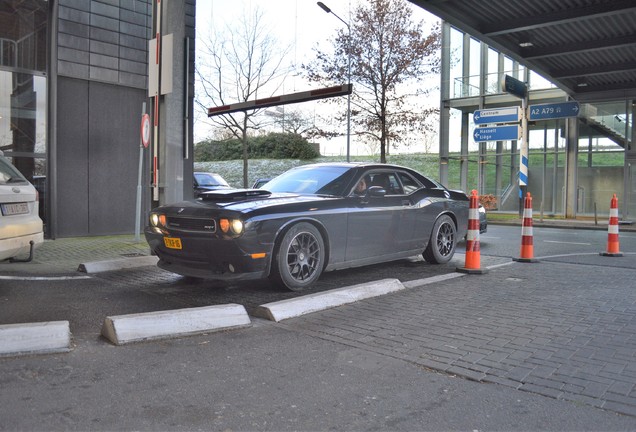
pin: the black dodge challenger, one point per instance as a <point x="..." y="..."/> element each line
<point x="310" y="219"/>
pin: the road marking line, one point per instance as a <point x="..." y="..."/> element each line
<point x="563" y="242"/>
<point x="43" y="278"/>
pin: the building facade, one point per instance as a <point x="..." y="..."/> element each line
<point x="73" y="86"/>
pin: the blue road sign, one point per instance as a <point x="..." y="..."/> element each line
<point x="497" y="133"/>
<point x="497" y="115"/>
<point x="553" y="111"/>
<point x="514" y="86"/>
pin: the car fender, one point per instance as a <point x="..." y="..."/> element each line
<point x="288" y="224"/>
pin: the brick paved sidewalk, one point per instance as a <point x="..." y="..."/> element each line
<point x="570" y="338"/>
<point x="64" y="255"/>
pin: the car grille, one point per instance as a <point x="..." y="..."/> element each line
<point x="190" y="224"/>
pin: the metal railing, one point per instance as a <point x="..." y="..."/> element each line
<point x="470" y="86"/>
<point x="8" y="53"/>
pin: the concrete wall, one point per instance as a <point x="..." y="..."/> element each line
<point x="104" y="40"/>
<point x="101" y="85"/>
<point x="98" y="157"/>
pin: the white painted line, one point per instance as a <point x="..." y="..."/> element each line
<point x="125" y="329"/>
<point x="117" y="264"/>
<point x="433" y="279"/>
<point x="43" y="278"/>
<point x="579" y="254"/>
<point x="290" y="308"/>
<point x="35" y="338"/>
<point x="564" y="242"/>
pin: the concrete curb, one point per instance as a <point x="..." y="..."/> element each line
<point x="291" y="308"/>
<point x="35" y="338"/>
<point x="117" y="264"/>
<point x="124" y="329"/>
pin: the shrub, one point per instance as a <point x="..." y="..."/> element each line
<point x="271" y="146"/>
<point x="489" y="201"/>
<point x="210" y="150"/>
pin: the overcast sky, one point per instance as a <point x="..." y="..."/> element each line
<point x="301" y="24"/>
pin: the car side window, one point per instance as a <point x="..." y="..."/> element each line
<point x="387" y="181"/>
<point x="395" y="188"/>
<point x="409" y="183"/>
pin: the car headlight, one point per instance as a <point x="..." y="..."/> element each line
<point x="157" y="220"/>
<point x="231" y="226"/>
<point x="237" y="226"/>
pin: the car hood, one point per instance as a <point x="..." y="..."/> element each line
<point x="241" y="200"/>
<point x="214" y="187"/>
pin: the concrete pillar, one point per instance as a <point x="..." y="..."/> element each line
<point x="571" y="166"/>
<point x="444" y="109"/>
<point x="175" y="142"/>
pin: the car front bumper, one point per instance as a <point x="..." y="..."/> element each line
<point x="208" y="257"/>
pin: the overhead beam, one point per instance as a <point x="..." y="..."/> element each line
<point x="594" y="70"/>
<point x="578" y="47"/>
<point x="305" y="96"/>
<point x="559" y="17"/>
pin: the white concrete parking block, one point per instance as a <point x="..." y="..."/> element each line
<point x="125" y="329"/>
<point x="290" y="308"/>
<point x="117" y="264"/>
<point x="35" y="338"/>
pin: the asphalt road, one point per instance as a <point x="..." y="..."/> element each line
<point x="359" y="367"/>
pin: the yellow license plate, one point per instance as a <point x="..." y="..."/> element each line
<point x="172" y="242"/>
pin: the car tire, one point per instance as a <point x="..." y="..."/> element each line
<point x="441" y="246"/>
<point x="299" y="258"/>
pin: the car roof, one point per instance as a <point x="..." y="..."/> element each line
<point x="356" y="165"/>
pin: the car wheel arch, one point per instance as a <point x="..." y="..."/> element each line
<point x="288" y="225"/>
<point x="430" y="253"/>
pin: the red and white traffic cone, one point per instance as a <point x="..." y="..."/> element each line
<point x="473" y="253"/>
<point x="613" y="248"/>
<point x="527" y="242"/>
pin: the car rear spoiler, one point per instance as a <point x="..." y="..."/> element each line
<point x="233" y="194"/>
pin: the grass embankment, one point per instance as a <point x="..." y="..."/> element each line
<point x="232" y="171"/>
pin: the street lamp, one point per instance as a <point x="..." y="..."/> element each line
<point x="328" y="10"/>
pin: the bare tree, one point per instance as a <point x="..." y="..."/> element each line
<point x="293" y="121"/>
<point x="243" y="62"/>
<point x="390" y="56"/>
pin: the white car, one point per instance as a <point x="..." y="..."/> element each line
<point x="21" y="229"/>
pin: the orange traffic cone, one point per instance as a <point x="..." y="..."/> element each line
<point x="473" y="254"/>
<point x="613" y="249"/>
<point x="527" y="243"/>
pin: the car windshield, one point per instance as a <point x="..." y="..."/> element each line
<point x="210" y="179"/>
<point x="312" y="180"/>
<point x="9" y="174"/>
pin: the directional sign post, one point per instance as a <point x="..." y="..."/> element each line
<point x="497" y="133"/>
<point x="553" y="111"/>
<point x="514" y="86"/>
<point x="497" y="115"/>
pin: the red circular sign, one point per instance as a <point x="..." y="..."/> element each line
<point x="145" y="130"/>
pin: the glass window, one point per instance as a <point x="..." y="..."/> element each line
<point x="9" y="174"/>
<point x="23" y="119"/>
<point x="409" y="183"/>
<point x="23" y="88"/>
<point x="23" y="35"/>
<point x="320" y="180"/>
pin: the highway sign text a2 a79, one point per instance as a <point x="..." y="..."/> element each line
<point x="553" y="111"/>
